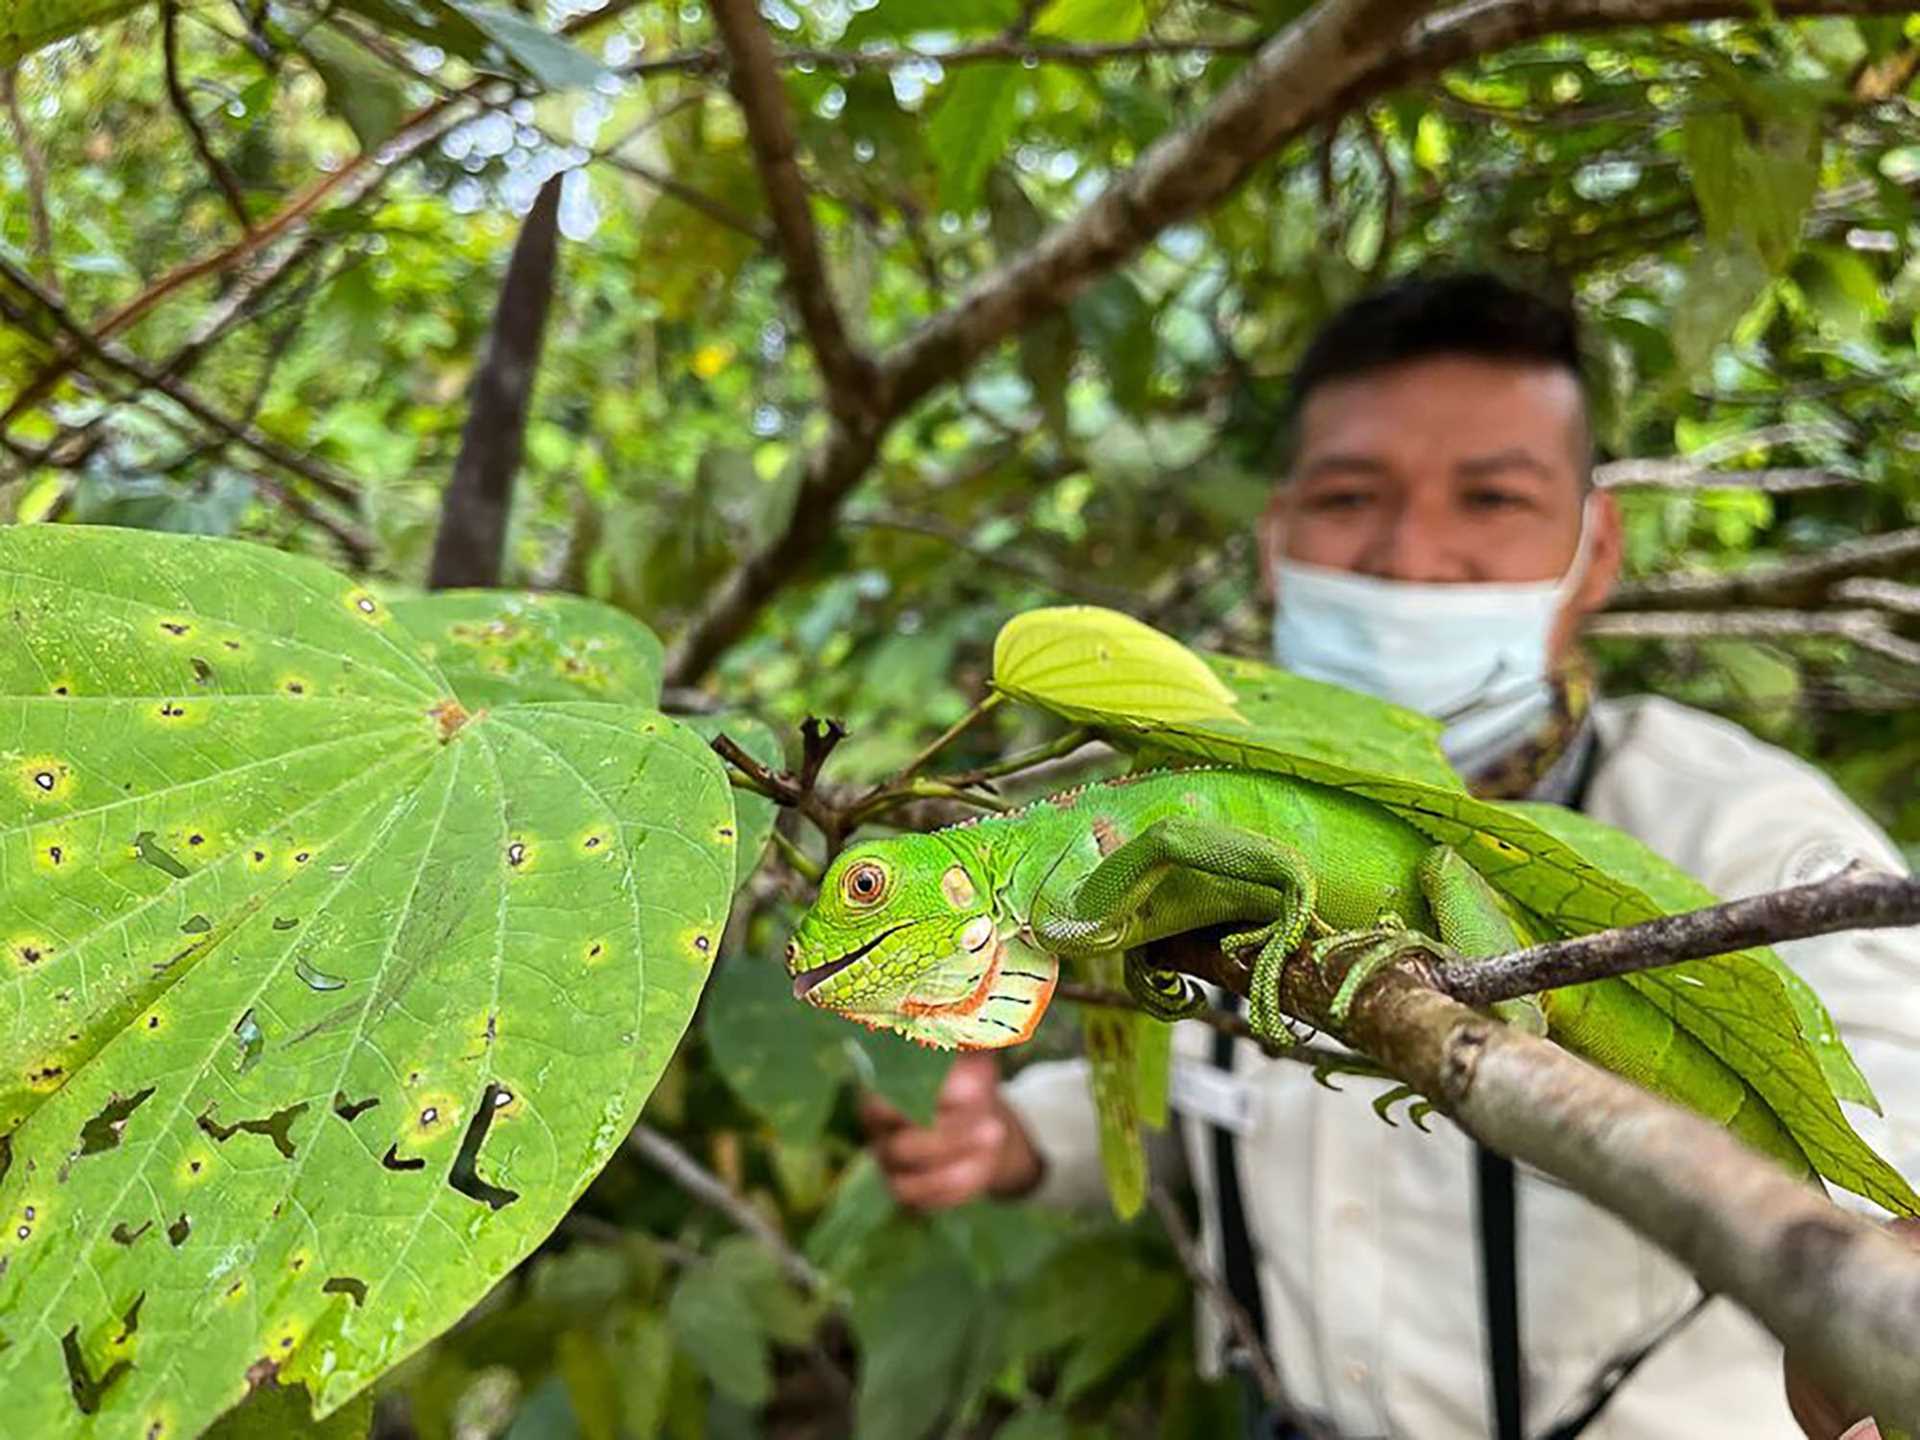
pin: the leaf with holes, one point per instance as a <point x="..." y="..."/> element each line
<point x="340" y="961"/>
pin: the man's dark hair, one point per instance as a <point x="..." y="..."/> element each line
<point x="1472" y="314"/>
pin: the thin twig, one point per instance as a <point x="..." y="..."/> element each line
<point x="1866" y="629"/>
<point x="224" y="178"/>
<point x="1785" y="582"/>
<point x="1682" y="475"/>
<point x="1855" y="899"/>
<point x="660" y="1152"/>
<point x="36" y="166"/>
<point x="1058" y="579"/>
<point x="710" y="60"/>
<point x="320" y="476"/>
<point x="1232" y="1314"/>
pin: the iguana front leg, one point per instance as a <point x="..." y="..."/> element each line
<point x="1121" y="904"/>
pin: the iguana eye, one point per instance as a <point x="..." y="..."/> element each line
<point x="864" y="883"/>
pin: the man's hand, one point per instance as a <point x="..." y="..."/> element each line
<point x="1820" y="1414"/>
<point x="974" y="1147"/>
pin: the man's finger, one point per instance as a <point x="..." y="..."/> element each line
<point x="971" y="1081"/>
<point x="943" y="1188"/>
<point x="920" y="1149"/>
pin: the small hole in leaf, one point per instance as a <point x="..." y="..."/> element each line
<point x="87" y="1390"/>
<point x="102" y="1132"/>
<point x="351" y="1110"/>
<point x="174" y="627"/>
<point x="196" y="839"/>
<point x="170" y="711"/>
<point x="130" y="1322"/>
<point x="464" y="1176"/>
<point x="202" y="671"/>
<point x="300" y="857"/>
<point x="248" y="1033"/>
<point x="150" y="851"/>
<point x="277" y="1127"/>
<point x="196" y="925"/>
<point x="392" y="1160"/>
<point x="282" y="922"/>
<point x="516" y="853"/>
<point x="123" y="1236"/>
<point x="178" y="1231"/>
<point x="316" y="979"/>
<point x="347" y="1285"/>
<point x="44" y="779"/>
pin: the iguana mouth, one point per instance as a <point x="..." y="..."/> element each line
<point x="808" y="979"/>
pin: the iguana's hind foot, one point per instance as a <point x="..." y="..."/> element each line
<point x="1164" y="994"/>
<point x="1355" y="958"/>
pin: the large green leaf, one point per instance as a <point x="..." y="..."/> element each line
<point x="1087" y="662"/>
<point x="26" y="25"/>
<point x="333" y="984"/>
<point x="1738" y="1010"/>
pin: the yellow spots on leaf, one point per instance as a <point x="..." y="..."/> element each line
<point x="296" y="687"/>
<point x="193" y="1167"/>
<point x="55" y="854"/>
<point x="45" y="779"/>
<point x="25" y="1222"/>
<point x="699" y="943"/>
<point x="725" y="835"/>
<point x="158" y="1425"/>
<point x="299" y="1260"/>
<point x="29" y="951"/>
<point x="520" y="855"/>
<point x="296" y="857"/>
<point x="596" y="953"/>
<point x="434" y="1114"/>
<point x="595" y="842"/>
<point x="176" y="714"/>
<point x="284" y="1338"/>
<point x="46" y="1076"/>
<point x="235" y="1292"/>
<point x="507" y="1104"/>
<point x="259" y="858"/>
<point x="175" y="627"/>
<point x="63" y="687"/>
<point x="362" y="604"/>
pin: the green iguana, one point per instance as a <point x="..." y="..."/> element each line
<point x="953" y="937"/>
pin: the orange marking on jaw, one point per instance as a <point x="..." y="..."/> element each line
<point x="1037" y="1009"/>
<point x="966" y="1004"/>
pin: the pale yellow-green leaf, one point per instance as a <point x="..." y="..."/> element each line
<point x="1096" y="664"/>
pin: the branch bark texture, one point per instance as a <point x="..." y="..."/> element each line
<point x="474" y="511"/>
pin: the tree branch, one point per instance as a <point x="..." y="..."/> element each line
<point x="661" y="1153"/>
<point x="1855" y="899"/>
<point x="36" y="167"/>
<point x="183" y="107"/>
<point x="762" y="96"/>
<point x="1683" y="475"/>
<point x="321" y="477"/>
<point x="1836" y="1289"/>
<point x="1233" y="1316"/>
<point x="1796" y="581"/>
<point x="474" y="511"/>
<point x="1864" y="628"/>
<point x="1014" y="48"/>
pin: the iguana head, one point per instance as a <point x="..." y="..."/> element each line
<point x="904" y="935"/>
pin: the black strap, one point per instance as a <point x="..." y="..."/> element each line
<point x="1236" y="1244"/>
<point x="1500" y="1287"/>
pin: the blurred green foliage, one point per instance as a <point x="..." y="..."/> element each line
<point x="1732" y="204"/>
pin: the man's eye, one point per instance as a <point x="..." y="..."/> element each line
<point x="1334" y="501"/>
<point x="1494" y="500"/>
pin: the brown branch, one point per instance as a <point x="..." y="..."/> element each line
<point x="1889" y="595"/>
<point x="1864" y="628"/>
<point x="1233" y="1316"/>
<point x="710" y="60"/>
<point x="1682" y="475"/>
<point x="472" y="538"/>
<point x="762" y="96"/>
<point x="36" y="166"/>
<point x="321" y="477"/>
<point x="1795" y="581"/>
<point x="1855" y="899"/>
<point x="661" y="1153"/>
<point x="349" y="182"/>
<point x="1836" y="1289"/>
<point x="183" y="107"/>
<point x="1052" y="577"/>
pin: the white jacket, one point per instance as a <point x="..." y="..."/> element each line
<point x="1365" y="1235"/>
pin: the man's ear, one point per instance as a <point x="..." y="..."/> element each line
<point x="1606" y="549"/>
<point x="1271" y="532"/>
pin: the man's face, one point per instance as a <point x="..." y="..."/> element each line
<point x="1448" y="469"/>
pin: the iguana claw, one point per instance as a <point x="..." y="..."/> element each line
<point x="1384" y="945"/>
<point x="1416" y="1112"/>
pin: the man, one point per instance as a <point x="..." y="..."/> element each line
<point x="1437" y="541"/>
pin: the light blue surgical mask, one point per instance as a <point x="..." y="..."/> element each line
<point x="1473" y="656"/>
